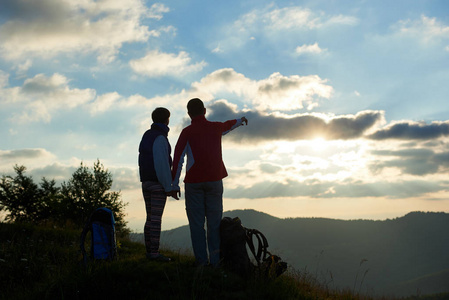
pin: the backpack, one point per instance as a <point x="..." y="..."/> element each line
<point x="268" y="265"/>
<point x="234" y="238"/>
<point x="103" y="246"/>
<point x="233" y="254"/>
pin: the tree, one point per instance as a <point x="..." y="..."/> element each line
<point x="74" y="201"/>
<point x="22" y="198"/>
<point x="88" y="190"/>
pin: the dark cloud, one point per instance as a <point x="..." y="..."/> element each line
<point x="348" y="189"/>
<point x="22" y="153"/>
<point x="412" y="161"/>
<point x="412" y="131"/>
<point x="272" y="127"/>
<point x="29" y="10"/>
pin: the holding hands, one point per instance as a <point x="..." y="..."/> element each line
<point x="174" y="194"/>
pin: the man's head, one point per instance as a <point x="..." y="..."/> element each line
<point x="195" y="107"/>
<point x="161" y="115"/>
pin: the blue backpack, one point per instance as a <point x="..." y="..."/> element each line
<point x="103" y="246"/>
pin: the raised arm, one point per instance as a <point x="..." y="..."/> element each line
<point x="238" y="122"/>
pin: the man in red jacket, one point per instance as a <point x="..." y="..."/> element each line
<point x="201" y="142"/>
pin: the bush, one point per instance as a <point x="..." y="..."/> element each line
<point x="72" y="203"/>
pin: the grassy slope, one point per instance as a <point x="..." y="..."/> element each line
<point x="43" y="263"/>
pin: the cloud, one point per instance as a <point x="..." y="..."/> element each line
<point x="156" y="64"/>
<point x="125" y="178"/>
<point x="428" y="30"/>
<point x="41" y="96"/>
<point x="412" y="131"/>
<point x="268" y="127"/>
<point x="104" y="102"/>
<point x="49" y="27"/>
<point x="157" y="10"/>
<point x="4" y="81"/>
<point x="280" y="92"/>
<point x="27" y="157"/>
<point x="290" y="18"/>
<point x="277" y="92"/>
<point x="224" y="81"/>
<point x="56" y="171"/>
<point x="22" y="154"/>
<point x="327" y="189"/>
<point x="309" y="49"/>
<point x="22" y="69"/>
<point x="413" y="161"/>
<point x="274" y="24"/>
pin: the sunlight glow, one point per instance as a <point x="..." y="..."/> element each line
<point x="319" y="144"/>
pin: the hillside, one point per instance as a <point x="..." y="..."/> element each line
<point x="45" y="263"/>
<point x="403" y="256"/>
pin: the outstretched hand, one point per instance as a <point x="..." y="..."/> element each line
<point x="244" y="120"/>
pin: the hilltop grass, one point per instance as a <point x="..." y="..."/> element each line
<point x="45" y="263"/>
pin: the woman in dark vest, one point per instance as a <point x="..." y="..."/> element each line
<point x="155" y="174"/>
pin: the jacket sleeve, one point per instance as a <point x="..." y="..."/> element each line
<point x="162" y="163"/>
<point x="178" y="159"/>
<point x="231" y="125"/>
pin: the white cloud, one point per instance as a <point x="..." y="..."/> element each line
<point x="274" y="24"/>
<point x="341" y="20"/>
<point x="217" y="49"/>
<point x="309" y="49"/>
<point x="427" y="29"/>
<point x="41" y="96"/>
<point x="290" y="18"/>
<point x="224" y="81"/>
<point x="47" y="28"/>
<point x="280" y="92"/>
<point x="22" y="69"/>
<point x="4" y="79"/>
<point x="157" y="10"/>
<point x="277" y="92"/>
<point x="156" y="64"/>
<point x="104" y="102"/>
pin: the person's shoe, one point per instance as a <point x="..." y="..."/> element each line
<point x="159" y="257"/>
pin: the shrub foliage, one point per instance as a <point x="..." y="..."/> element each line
<point x="89" y="188"/>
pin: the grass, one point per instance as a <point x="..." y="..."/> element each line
<point x="45" y="263"/>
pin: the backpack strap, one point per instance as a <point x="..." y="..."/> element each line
<point x="86" y="229"/>
<point x="262" y="244"/>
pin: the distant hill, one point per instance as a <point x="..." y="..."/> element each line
<point x="403" y="256"/>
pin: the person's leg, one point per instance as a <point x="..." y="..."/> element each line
<point x="214" y="212"/>
<point x="155" y="199"/>
<point x="195" y="209"/>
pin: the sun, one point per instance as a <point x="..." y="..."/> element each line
<point x="318" y="144"/>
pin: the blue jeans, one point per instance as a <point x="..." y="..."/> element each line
<point x="204" y="201"/>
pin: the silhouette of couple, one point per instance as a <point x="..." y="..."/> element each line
<point x="205" y="170"/>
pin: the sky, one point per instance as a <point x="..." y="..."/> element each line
<point x="347" y="101"/>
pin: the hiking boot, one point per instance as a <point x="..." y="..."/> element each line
<point x="159" y="257"/>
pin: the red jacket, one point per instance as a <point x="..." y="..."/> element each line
<point x="201" y="142"/>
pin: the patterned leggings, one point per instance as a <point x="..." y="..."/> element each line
<point x="155" y="199"/>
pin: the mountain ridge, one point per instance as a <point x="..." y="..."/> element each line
<point x="381" y="257"/>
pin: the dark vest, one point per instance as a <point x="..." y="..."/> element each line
<point x="146" y="159"/>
